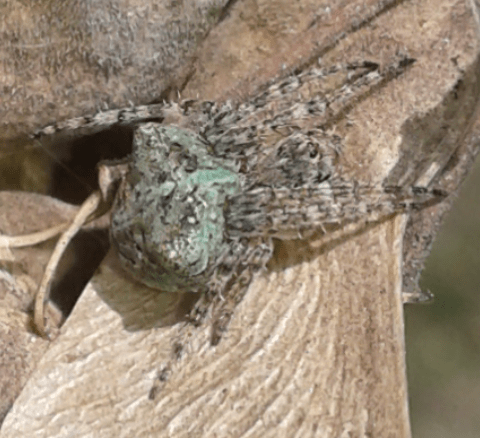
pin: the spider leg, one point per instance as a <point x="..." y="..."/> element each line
<point x="283" y="212"/>
<point x="229" y="282"/>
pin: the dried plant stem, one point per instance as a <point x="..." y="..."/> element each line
<point x="86" y="210"/>
<point x="33" y="238"/>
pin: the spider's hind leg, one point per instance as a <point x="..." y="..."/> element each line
<point x="229" y="283"/>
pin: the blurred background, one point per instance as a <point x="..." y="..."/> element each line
<point x="443" y="338"/>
